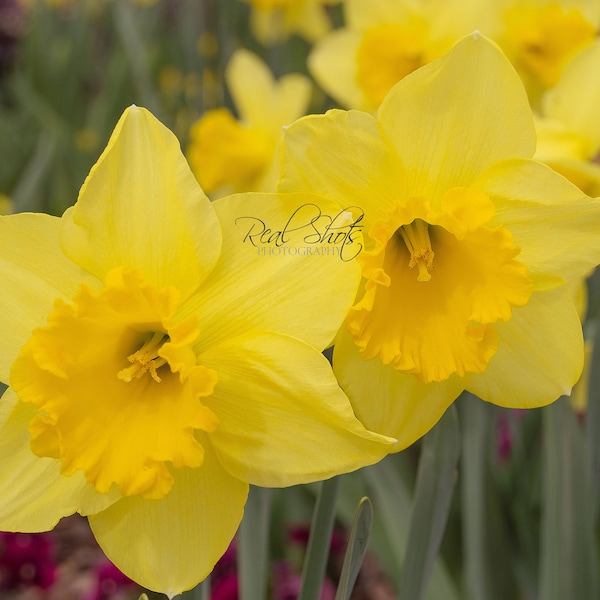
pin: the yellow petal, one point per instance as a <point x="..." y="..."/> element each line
<point x="141" y="208"/>
<point x="362" y="14"/>
<point x="261" y="101"/>
<point x="387" y="401"/>
<point x="34" y="493"/>
<point x="251" y="86"/>
<point x="552" y="221"/>
<point x="575" y="99"/>
<point x="283" y="418"/>
<point x="294" y="284"/>
<point x="331" y="63"/>
<point x="35" y="272"/>
<point x="343" y="156"/>
<point x="170" y="545"/>
<point x="540" y="356"/>
<point x="452" y="119"/>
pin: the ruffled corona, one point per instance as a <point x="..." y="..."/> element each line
<point x="117" y="387"/>
<point x="437" y="281"/>
<point x="223" y="151"/>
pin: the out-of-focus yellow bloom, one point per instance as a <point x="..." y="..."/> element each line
<point x="470" y="243"/>
<point x="230" y="155"/>
<point x="541" y="36"/>
<point x="568" y="127"/>
<point x="273" y="21"/>
<point x="385" y="40"/>
<point x="155" y="372"/>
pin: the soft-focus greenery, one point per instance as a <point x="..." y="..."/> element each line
<point x="492" y="504"/>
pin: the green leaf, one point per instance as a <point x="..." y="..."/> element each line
<point x="317" y="552"/>
<point x="357" y="546"/>
<point x="473" y="491"/>
<point x="436" y="479"/>
<point x="253" y="545"/>
<point x="568" y="562"/>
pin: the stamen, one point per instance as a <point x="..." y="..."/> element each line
<point x="146" y="359"/>
<point x="416" y="238"/>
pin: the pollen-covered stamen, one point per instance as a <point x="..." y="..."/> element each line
<point x="146" y="359"/>
<point x="416" y="238"/>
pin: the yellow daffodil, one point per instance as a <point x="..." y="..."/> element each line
<point x="470" y="244"/>
<point x="568" y="128"/>
<point x="385" y="40"/>
<point x="158" y="365"/>
<point x="272" y="21"/>
<point x="228" y="155"/>
<point x="541" y="36"/>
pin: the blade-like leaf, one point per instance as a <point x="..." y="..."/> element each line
<point x="357" y="546"/>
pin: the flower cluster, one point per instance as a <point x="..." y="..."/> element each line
<point x="163" y="352"/>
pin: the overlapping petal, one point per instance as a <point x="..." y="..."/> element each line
<point x="388" y="401"/>
<point x="490" y="118"/>
<point x="362" y="168"/>
<point x="554" y="223"/>
<point x="299" y="428"/>
<point x="276" y="286"/>
<point x="35" y="495"/>
<point x="540" y="355"/>
<point x="35" y="272"/>
<point x="172" y="543"/>
<point x="141" y="207"/>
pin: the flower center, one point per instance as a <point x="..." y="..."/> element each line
<point x="386" y="54"/>
<point x="416" y="238"/>
<point x="127" y="426"/>
<point x="541" y="39"/>
<point x="146" y="359"/>
<point x="447" y="326"/>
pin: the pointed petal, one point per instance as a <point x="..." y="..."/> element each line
<point x="553" y="222"/>
<point x="35" y="272"/>
<point x="170" y="545"/>
<point x="448" y="134"/>
<point x="540" y="355"/>
<point x="283" y="419"/>
<point x="342" y="155"/>
<point x="284" y="285"/>
<point x="332" y="64"/>
<point x="251" y="86"/>
<point x="261" y="101"/>
<point x="34" y="493"/>
<point x="574" y="100"/>
<point x="387" y="401"/>
<point x="141" y="208"/>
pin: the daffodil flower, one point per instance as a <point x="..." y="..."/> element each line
<point x="540" y="37"/>
<point x="273" y="21"/>
<point x="385" y="40"/>
<point x="568" y="127"/>
<point x="470" y="244"/>
<point x="158" y="366"/>
<point x="229" y="155"/>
